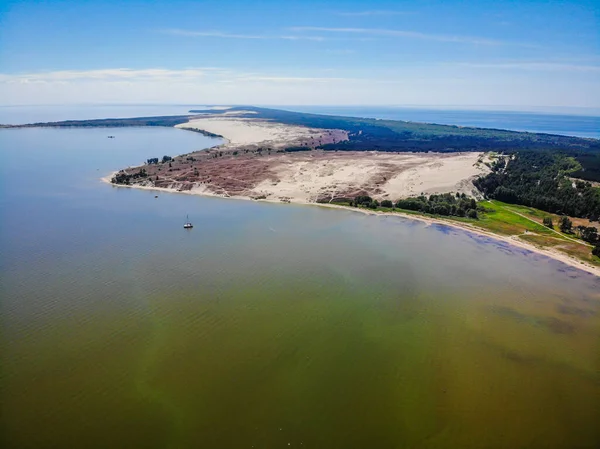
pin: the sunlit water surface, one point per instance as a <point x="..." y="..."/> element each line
<point x="270" y="325"/>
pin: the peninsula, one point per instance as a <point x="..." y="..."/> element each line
<point x="536" y="190"/>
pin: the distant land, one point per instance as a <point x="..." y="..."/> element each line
<point x="366" y="133"/>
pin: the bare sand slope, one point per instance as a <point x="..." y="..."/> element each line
<point x="437" y="174"/>
<point x="245" y="131"/>
<point x="319" y="175"/>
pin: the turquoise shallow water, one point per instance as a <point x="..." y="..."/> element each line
<point x="270" y="325"/>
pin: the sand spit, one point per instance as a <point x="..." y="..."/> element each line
<point x="253" y="165"/>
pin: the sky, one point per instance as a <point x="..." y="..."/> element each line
<point x="492" y="54"/>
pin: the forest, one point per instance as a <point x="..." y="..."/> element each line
<point x="542" y="180"/>
<point x="590" y="166"/>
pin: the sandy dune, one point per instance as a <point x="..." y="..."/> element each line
<point x="316" y="176"/>
<point x="244" y="131"/>
<point x="436" y="174"/>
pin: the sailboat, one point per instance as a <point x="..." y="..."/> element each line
<point x="188" y="224"/>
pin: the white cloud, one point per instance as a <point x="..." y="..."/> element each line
<point x="409" y="34"/>
<point x="206" y="74"/>
<point x="440" y="84"/>
<point x="382" y="32"/>
<point x="117" y="74"/>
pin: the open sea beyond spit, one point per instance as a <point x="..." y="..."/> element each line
<point x="269" y="325"/>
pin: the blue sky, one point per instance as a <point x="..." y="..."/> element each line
<point x="525" y="54"/>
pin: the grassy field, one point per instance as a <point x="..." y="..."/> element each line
<point x="501" y="219"/>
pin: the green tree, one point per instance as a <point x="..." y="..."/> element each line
<point x="441" y="209"/>
<point x="566" y="225"/>
<point x="363" y="200"/>
<point x="387" y="203"/>
<point x="596" y="251"/>
<point x="589" y="233"/>
<point x="548" y="222"/>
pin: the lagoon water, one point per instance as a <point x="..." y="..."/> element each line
<point x="270" y="325"/>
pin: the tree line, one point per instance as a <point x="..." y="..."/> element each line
<point x="447" y="204"/>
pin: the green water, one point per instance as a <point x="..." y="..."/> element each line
<point x="270" y="325"/>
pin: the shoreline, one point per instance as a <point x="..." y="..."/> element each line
<point x="552" y="254"/>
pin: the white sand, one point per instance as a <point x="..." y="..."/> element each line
<point x="304" y="178"/>
<point x="226" y="113"/>
<point x="243" y="131"/>
<point x="436" y="175"/>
